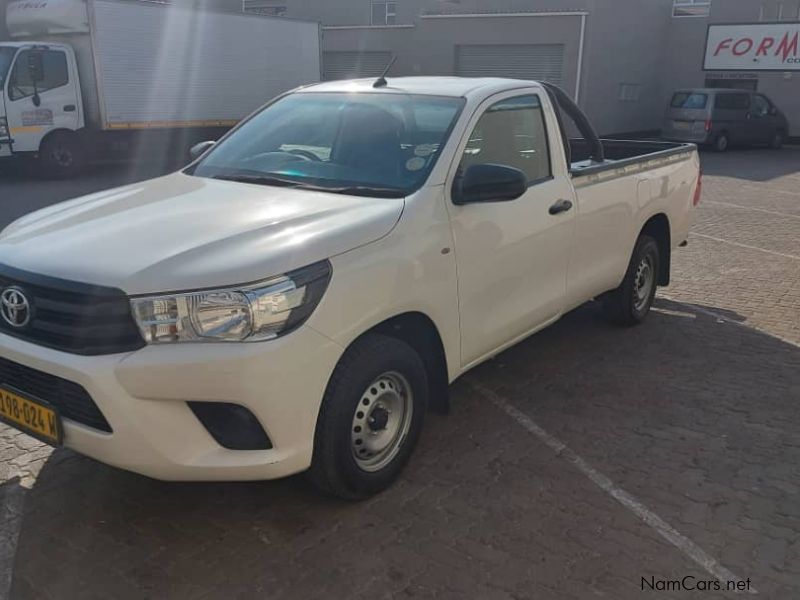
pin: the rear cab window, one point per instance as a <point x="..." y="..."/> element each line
<point x="689" y="100"/>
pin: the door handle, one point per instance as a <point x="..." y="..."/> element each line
<point x="560" y="207"/>
<point x="69" y="108"/>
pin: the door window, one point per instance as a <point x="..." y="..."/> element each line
<point x="761" y="106"/>
<point x="732" y="101"/>
<point x="511" y="133"/>
<point x="20" y="84"/>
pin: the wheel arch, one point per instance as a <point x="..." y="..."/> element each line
<point x="58" y="131"/>
<point x="420" y="332"/>
<point x="658" y="227"/>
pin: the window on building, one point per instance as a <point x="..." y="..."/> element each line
<point x="629" y="92"/>
<point x="384" y="13"/>
<point x="56" y="75"/>
<point x="520" y="119"/>
<point x="265" y="7"/>
<point x="691" y="8"/>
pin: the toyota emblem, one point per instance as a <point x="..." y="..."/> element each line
<point x="15" y="307"/>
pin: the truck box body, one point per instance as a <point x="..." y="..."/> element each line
<point x="151" y="65"/>
<point x="92" y="79"/>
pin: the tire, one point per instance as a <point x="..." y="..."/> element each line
<point x="630" y="303"/>
<point x="722" y="143"/>
<point x="353" y="419"/>
<point x="61" y="155"/>
<point x="777" y="140"/>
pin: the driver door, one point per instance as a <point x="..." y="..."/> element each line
<point x="511" y="256"/>
<point x="58" y="107"/>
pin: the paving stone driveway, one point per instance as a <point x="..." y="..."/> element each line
<point x="695" y="414"/>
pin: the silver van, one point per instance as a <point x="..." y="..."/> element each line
<point x="722" y="117"/>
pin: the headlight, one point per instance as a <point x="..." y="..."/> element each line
<point x="247" y="313"/>
<point x="3" y="127"/>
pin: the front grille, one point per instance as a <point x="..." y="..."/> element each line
<point x="74" y="317"/>
<point x="67" y="397"/>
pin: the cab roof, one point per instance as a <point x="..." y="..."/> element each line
<point x="457" y="87"/>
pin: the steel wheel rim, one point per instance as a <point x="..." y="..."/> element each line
<point x="722" y="143"/>
<point x="62" y="156"/>
<point x="643" y="283"/>
<point x="381" y="421"/>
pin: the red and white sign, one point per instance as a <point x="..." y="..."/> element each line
<point x="756" y="47"/>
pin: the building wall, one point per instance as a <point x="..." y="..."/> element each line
<point x="430" y="46"/>
<point x="613" y="27"/>
<point x="625" y="45"/>
<point x="3" y="31"/>
<point x="686" y="40"/>
<point x="635" y="52"/>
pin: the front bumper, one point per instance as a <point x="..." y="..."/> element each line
<point x="144" y="395"/>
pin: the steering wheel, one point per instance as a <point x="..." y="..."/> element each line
<point x="310" y="156"/>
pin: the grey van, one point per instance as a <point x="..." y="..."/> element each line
<point x="721" y="117"/>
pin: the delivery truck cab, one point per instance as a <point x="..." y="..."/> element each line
<point x="90" y="78"/>
<point x="41" y="105"/>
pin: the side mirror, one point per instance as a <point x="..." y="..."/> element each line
<point x="198" y="150"/>
<point x="489" y="183"/>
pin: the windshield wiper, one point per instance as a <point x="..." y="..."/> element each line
<point x="367" y="190"/>
<point x="350" y="190"/>
<point x="259" y="180"/>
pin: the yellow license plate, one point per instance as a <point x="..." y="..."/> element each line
<point x="31" y="416"/>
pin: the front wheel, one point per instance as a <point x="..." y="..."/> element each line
<point x="371" y="418"/>
<point x="61" y="155"/>
<point x="777" y="141"/>
<point x="630" y="303"/>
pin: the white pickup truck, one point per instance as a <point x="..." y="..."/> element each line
<point x="303" y="292"/>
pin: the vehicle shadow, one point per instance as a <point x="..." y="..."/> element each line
<point x="752" y="164"/>
<point x="684" y="409"/>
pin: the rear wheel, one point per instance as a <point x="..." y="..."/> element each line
<point x="630" y="303"/>
<point x="722" y="143"/>
<point x="61" y="155"/>
<point x="370" y="419"/>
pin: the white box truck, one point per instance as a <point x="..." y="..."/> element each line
<point x="85" y="78"/>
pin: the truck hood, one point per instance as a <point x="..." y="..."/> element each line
<point x="181" y="233"/>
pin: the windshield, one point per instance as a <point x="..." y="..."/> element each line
<point x="689" y="100"/>
<point x="372" y="144"/>
<point x="6" y="56"/>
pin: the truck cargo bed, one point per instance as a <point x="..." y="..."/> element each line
<point x="624" y="153"/>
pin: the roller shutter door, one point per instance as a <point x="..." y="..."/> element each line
<point x="541" y="62"/>
<point x="348" y="65"/>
